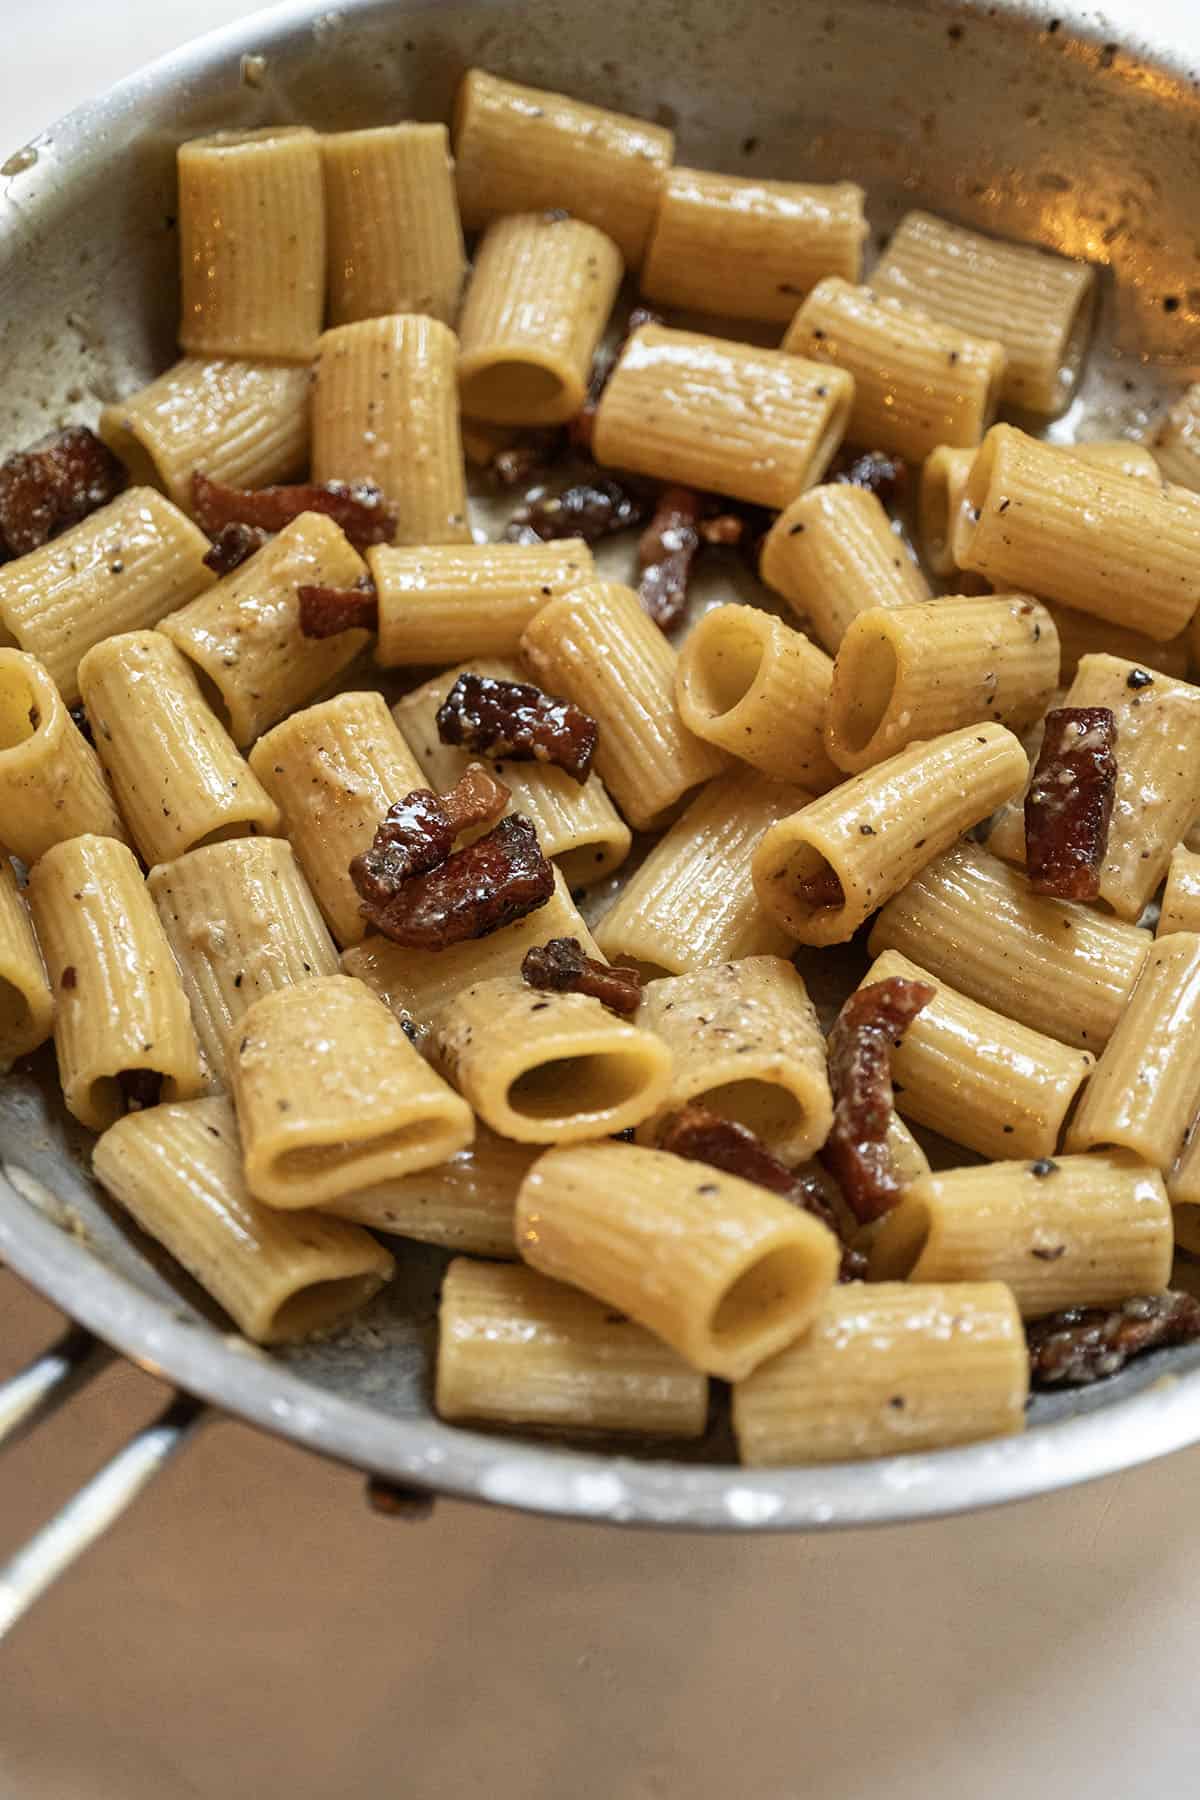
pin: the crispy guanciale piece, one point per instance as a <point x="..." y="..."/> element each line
<point x="516" y="720"/>
<point x="359" y="507"/>
<point x="233" y="545"/>
<point x="856" y="1151"/>
<point x="480" y="889"/>
<point x="54" y="485"/>
<point x="882" y="475"/>
<point x="418" y="832"/>
<point x="592" y="510"/>
<point x="561" y="966"/>
<point x="1069" y="805"/>
<point x="326" y="611"/>
<point x="666" y="550"/>
<point x="1089" y="1343"/>
<point x="140" y="1088"/>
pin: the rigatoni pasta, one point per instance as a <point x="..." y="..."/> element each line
<point x="122" y="569"/>
<point x="749" y="249"/>
<point x="1181" y="896"/>
<point x="1083" y="634"/>
<point x="26" y="1003"/>
<point x="541" y="291"/>
<point x="51" y="783"/>
<point x="394" y="235"/>
<point x="122" y="1029"/>
<point x="385" y="409"/>
<point x="178" y="777"/>
<point x="913" y="672"/>
<point x="724" y="1272"/>
<point x="549" y="1068"/>
<point x="1177" y="441"/>
<point x="465" y="1204"/>
<point x="517" y="1349"/>
<point x="823" y="870"/>
<point x="334" y="769"/>
<point x="597" y="647"/>
<point x="521" y="149"/>
<point x="888" y="1369"/>
<point x="715" y="414"/>
<point x="444" y="603"/>
<point x="1040" y="307"/>
<point x="1068" y="1231"/>
<point x="252" y="243"/>
<point x="917" y="383"/>
<point x="746" y="1044"/>
<point x="177" y="1170"/>
<point x="833" y="554"/>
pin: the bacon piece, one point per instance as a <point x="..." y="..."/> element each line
<point x="326" y="611"/>
<point x="882" y="475"/>
<point x="418" y="832"/>
<point x="856" y="1151"/>
<point x="703" y="1136"/>
<point x="516" y="720"/>
<point x="491" y="883"/>
<point x="1069" y="805"/>
<point x="359" y="507"/>
<point x="233" y="545"/>
<point x="666" y="551"/>
<point x="561" y="967"/>
<point x="591" y="510"/>
<point x="1090" y="1343"/>
<point x="54" y="485"/>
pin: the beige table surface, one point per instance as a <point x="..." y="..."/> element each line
<point x="250" y="1631"/>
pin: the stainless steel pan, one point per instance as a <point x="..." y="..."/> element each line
<point x="1042" y="121"/>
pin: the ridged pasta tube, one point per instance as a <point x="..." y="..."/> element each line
<point x="26" y="1003"/>
<point x="463" y="1204"/>
<point x="444" y="603"/>
<point x="833" y="554"/>
<point x="1177" y="441"/>
<point x="1181" y="897"/>
<point x="1083" y="634"/>
<point x="724" y="1272"/>
<point x="944" y="476"/>
<point x="395" y="240"/>
<point x="51" y="783"/>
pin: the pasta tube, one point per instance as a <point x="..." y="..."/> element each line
<point x="724" y="1272"/>
<point x="26" y="1003"/>
<point x="252" y="243"/>
<point x="597" y="647"/>
<point x="1181" y="896"/>
<point x="823" y="870"/>
<point x="385" y="409"/>
<point x="245" y="636"/>
<point x="721" y="416"/>
<point x="1183" y="1189"/>
<point x="417" y="986"/>
<point x="121" y="1012"/>
<point x="516" y="1349"/>
<point x="51" y="783"/>
<point x="943" y="489"/>
<point x="521" y="149"/>
<point x="888" y="1369"/>
<point x="1068" y="970"/>
<point x="312" y="1129"/>
<point x="121" y="570"/>
<point x="178" y="1171"/>
<point x="918" y="382"/>
<point x="1146" y="1087"/>
<point x="180" y="781"/>
<point x="1079" y="1231"/>
<point x="748" y="683"/>
<point x="541" y="292"/>
<point x="745" y="1042"/>
<point x="395" y="240"/>
<point x="442" y="604"/>
<point x="1100" y="541"/>
<point x="1158" y="776"/>
<point x="242" y="923"/>
<point x="463" y="1204"/>
<point x="334" y="770"/>
<point x="691" y="902"/>
<point x="833" y="554"/>
<point x="913" y="672"/>
<point x="577" y="825"/>
<point x="986" y="1082"/>
<point x="1082" y="634"/>
<point x="1177" y="441"/>
<point x="245" y="423"/>
<point x="1040" y="307"/>
<point x="747" y="249"/>
<point x="547" y="1068"/>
